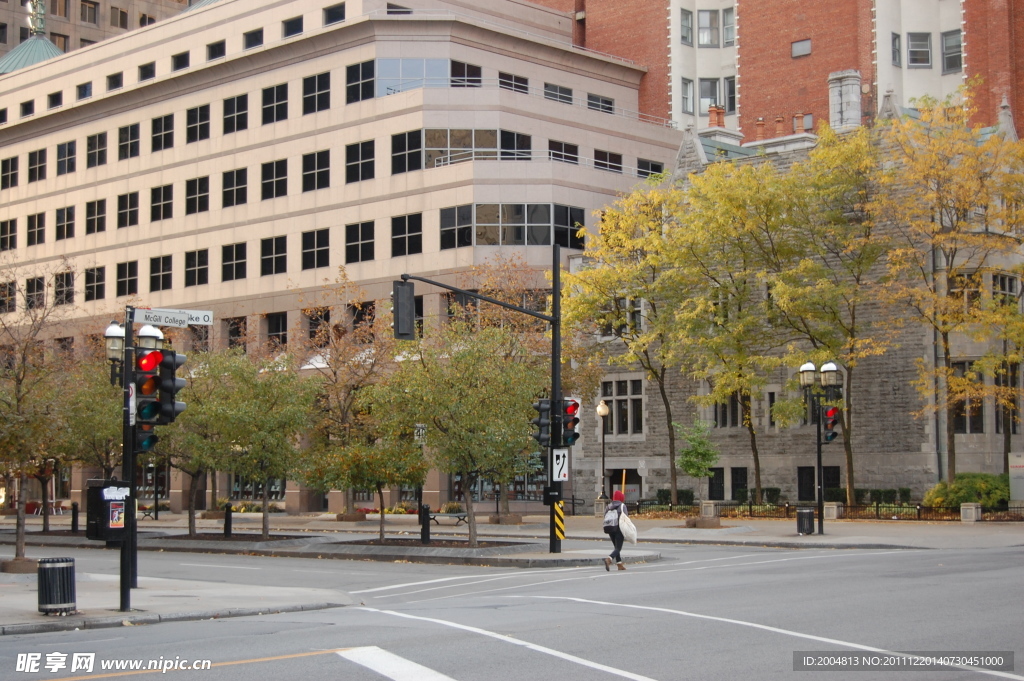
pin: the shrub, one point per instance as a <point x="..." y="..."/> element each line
<point x="876" y="496"/>
<point x="889" y="496"/>
<point x="452" y="507"/>
<point x="741" y="495"/>
<point x="664" y="496"/>
<point x="981" y="488"/>
<point x="860" y="496"/>
<point x="904" y="495"/>
<point x="835" y="494"/>
<point x="685" y="497"/>
<point x="770" y="495"/>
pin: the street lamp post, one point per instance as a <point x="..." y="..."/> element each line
<point x="602" y="412"/>
<point x="829" y="379"/>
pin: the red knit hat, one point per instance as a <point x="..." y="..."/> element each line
<point x="617" y="495"/>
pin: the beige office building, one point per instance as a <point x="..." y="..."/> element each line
<point x="233" y="157"/>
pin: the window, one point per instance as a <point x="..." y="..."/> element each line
<point x="128" y="278"/>
<point x="316" y="171"/>
<point x="319" y="326"/>
<point x="95" y="283"/>
<point x="36" y="232"/>
<point x="37" y="165"/>
<point x="728" y="413"/>
<point x="728" y="27"/>
<point x="160" y="273"/>
<point x="236" y="332"/>
<point x="316" y="93"/>
<point x="707" y="28"/>
<point x="599" y="103"/>
<point x="457" y="227"/>
<point x="275" y="103"/>
<point x="128" y="210"/>
<point x="316" y="248"/>
<point x="465" y="75"/>
<point x="509" y="81"/>
<point x="8" y="296"/>
<point x="730" y="95"/>
<point x="606" y="160"/>
<point x="146" y="20"/>
<point x="65" y="223"/>
<point x="96" y="150"/>
<point x="252" y="39"/>
<point x="66" y="158"/>
<point x="708" y="94"/>
<point x="28" y="108"/>
<point x="273" y="256"/>
<point x="83" y="91"/>
<point x="1004" y="289"/>
<point x="807" y="121"/>
<point x="197" y="124"/>
<point x="800" y="48"/>
<point x="61" y="41"/>
<point x="568" y="222"/>
<point x="951" y="52"/>
<point x="180" y="61"/>
<point x="645" y="168"/>
<point x="64" y="288"/>
<point x="359" y="162"/>
<point x="686" y="27"/>
<point x="398" y="9"/>
<point x="563" y="151"/>
<point x="235" y="188"/>
<point x="60" y="8"/>
<point x="128" y="142"/>
<point x="197" y="267"/>
<point x="969" y="411"/>
<point x="95" y="216"/>
<point x="163" y="132"/>
<point x="197" y="195"/>
<point x="919" y="50"/>
<point x="3" y="115"/>
<point x="1009" y="380"/>
<point x="9" y="172"/>
<point x="147" y="71"/>
<point x="8" y="235"/>
<point x="118" y="18"/>
<point x="35" y="293"/>
<point x="232" y="262"/>
<point x="55" y="100"/>
<point x="275" y="179"/>
<point x="406" y="234"/>
<point x="200" y="337"/>
<point x="625" y="401"/>
<point x="115" y="81"/>
<point x="897" y="50"/>
<point x="277" y="329"/>
<point x="515" y="146"/>
<point x="236" y="114"/>
<point x="334" y="14"/>
<point x="359" y="82"/>
<point x="558" y="93"/>
<point x="358" y="242"/>
<point x="290" y="27"/>
<point x="3" y="34"/>
<point x="161" y="206"/>
<point x="406" y="152"/>
<point x="216" y="50"/>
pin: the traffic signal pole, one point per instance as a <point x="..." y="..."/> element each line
<point x="128" y="557"/>
<point x="553" y="494"/>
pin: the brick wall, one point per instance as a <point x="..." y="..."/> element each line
<point x="991" y="52"/>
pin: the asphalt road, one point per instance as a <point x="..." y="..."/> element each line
<point x="703" y="612"/>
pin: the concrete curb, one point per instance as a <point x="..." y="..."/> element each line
<point x="73" y="622"/>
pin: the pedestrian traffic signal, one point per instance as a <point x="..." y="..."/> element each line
<point x="170" y="384"/>
<point x="403" y="310"/>
<point x="147" y="385"/>
<point x="831" y="421"/>
<point x="542" y="422"/>
<point x="570" y="421"/>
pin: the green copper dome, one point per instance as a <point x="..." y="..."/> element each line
<point x="34" y="50"/>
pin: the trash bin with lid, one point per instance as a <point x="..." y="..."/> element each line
<point x="805" y="521"/>
<point x="56" y="586"/>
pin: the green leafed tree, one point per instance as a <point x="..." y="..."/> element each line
<point x="698" y="455"/>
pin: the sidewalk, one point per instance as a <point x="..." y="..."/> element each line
<point x="161" y="600"/>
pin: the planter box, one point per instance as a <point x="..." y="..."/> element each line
<point x="833" y="510"/>
<point x="509" y="519"/>
<point x="970" y="513"/>
<point x="212" y="515"/>
<point x="351" y="517"/>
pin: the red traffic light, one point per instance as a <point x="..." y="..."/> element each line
<point x="149" y="361"/>
<point x="572" y="407"/>
<point x="832" y="413"/>
<point x="831" y="421"/>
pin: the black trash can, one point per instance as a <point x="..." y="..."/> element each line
<point x="805" y="521"/>
<point x="56" y="586"/>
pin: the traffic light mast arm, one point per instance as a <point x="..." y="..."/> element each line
<point x="456" y="289"/>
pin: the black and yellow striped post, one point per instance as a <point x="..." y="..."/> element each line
<point x="559" y="524"/>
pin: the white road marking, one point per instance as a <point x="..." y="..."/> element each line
<point x="226" y="567"/>
<point x="391" y="665"/>
<point x="515" y="641"/>
<point x="479" y="578"/>
<point x="777" y="630"/>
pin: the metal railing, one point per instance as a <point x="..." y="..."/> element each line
<point x="466" y="155"/>
<point x="876" y="511"/>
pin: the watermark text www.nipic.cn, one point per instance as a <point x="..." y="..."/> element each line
<point x="86" y="662"/>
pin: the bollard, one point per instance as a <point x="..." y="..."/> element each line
<point x="425" y="523"/>
<point x="227" y="520"/>
<point x="74" y="517"/>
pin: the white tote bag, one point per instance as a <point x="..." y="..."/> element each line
<point x="628" y="528"/>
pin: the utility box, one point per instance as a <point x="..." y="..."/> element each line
<point x="108" y="503"/>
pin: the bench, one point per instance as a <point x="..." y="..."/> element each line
<point x="146" y="512"/>
<point x="460" y="518"/>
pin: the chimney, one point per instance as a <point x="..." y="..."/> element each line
<point x="844" y="100"/>
<point x="759" y="135"/>
<point x="798" y="123"/>
<point x="778" y="126"/>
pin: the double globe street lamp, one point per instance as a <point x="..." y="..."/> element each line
<point x="828" y="377"/>
<point x="602" y="412"/>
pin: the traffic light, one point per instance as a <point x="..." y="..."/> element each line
<point x="403" y="310"/>
<point x="145" y="438"/>
<point x="543" y="422"/>
<point x="170" y="384"/>
<point x="831" y="421"/>
<point x="147" y="397"/>
<point x="570" y="421"/>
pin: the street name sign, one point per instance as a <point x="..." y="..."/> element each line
<point x="179" y="318"/>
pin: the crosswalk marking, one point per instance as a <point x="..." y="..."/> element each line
<point x="391" y="665"/>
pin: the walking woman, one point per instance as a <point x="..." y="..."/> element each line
<point x="612" y="513"/>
